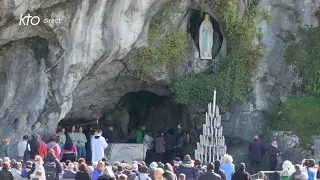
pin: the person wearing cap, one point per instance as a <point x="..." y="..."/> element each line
<point x="5" y="173"/>
<point x="4" y="148"/>
<point x="257" y="151"/>
<point x="210" y="174"/>
<point x="69" y="173"/>
<point x="241" y="173"/>
<point x="128" y="171"/>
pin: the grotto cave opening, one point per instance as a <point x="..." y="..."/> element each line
<point x="134" y="109"/>
<point x="195" y="19"/>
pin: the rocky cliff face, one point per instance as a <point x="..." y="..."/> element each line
<point x="85" y="63"/>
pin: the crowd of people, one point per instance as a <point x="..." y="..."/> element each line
<point x="80" y="155"/>
<point x="50" y="168"/>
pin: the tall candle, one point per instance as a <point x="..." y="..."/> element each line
<point x="204" y="129"/>
<point x="210" y="154"/>
<point x="214" y="101"/>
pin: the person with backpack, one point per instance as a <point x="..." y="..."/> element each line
<point x="23" y="148"/>
<point x="52" y="167"/>
<point x="54" y="146"/>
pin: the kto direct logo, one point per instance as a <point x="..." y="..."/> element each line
<point x="35" y="20"/>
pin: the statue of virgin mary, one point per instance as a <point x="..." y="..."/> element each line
<point x="206" y="38"/>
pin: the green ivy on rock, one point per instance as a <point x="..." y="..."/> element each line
<point x="236" y="68"/>
<point x="300" y="115"/>
<point x="305" y="58"/>
<point x="167" y="50"/>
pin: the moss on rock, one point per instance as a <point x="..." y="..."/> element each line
<point x="300" y="115"/>
<point x="305" y="58"/>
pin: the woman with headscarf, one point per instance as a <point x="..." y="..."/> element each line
<point x="69" y="150"/>
<point x="218" y="170"/>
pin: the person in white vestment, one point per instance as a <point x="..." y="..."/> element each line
<point x="98" y="145"/>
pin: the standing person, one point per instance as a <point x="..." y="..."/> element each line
<point x="24" y="149"/>
<point x="273" y="152"/>
<point x="170" y="140"/>
<point x="62" y="137"/>
<point x="98" y="145"/>
<point x="4" y="148"/>
<point x="88" y="133"/>
<point x="81" y="144"/>
<point x="54" y="146"/>
<point x="241" y="173"/>
<point x="218" y="170"/>
<point x="140" y="134"/>
<point x="160" y="146"/>
<point x="228" y="166"/>
<point x="210" y="174"/>
<point x="148" y="144"/>
<point x="73" y="135"/>
<point x="69" y="151"/>
<point x="187" y="168"/>
<point x="182" y="139"/>
<point x="256" y="150"/>
<point x="34" y="146"/>
<point x="43" y="149"/>
<point x="108" y="134"/>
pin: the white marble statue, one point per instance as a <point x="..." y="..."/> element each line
<point x="206" y="38"/>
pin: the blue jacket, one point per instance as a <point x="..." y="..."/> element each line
<point x="228" y="169"/>
<point x="95" y="174"/>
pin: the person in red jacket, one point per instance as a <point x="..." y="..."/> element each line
<point x="53" y="145"/>
<point x="43" y="149"/>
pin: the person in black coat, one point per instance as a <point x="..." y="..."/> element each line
<point x="256" y="150"/>
<point x="5" y="174"/>
<point x="241" y="173"/>
<point x="273" y="152"/>
<point x="210" y="174"/>
<point x="34" y="146"/>
<point x="88" y="132"/>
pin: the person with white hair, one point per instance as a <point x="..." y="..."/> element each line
<point x="69" y="173"/>
<point x="38" y="161"/>
<point x="228" y="166"/>
<point x="287" y="170"/>
<point x="158" y="173"/>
